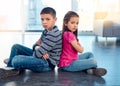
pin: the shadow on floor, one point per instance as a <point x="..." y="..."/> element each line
<point x="53" y="78"/>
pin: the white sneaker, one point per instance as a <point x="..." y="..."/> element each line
<point x="8" y="68"/>
<point x="6" y="61"/>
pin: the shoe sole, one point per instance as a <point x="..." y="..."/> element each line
<point x="8" y="73"/>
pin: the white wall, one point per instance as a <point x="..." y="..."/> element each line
<point x="12" y="17"/>
<point x="12" y="14"/>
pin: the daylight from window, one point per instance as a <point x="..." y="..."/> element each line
<point x="24" y="14"/>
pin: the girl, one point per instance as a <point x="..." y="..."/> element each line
<point x="70" y="60"/>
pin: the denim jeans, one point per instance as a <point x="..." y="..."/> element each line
<point x="21" y="62"/>
<point x="21" y="58"/>
<point x="85" y="61"/>
<point x="18" y="49"/>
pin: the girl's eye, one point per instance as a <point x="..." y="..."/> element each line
<point x="47" y="19"/>
<point x="72" y="22"/>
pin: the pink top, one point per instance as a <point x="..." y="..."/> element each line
<point x="69" y="54"/>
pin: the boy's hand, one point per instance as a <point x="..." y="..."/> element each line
<point x="37" y="47"/>
<point x="45" y="56"/>
<point x="39" y="42"/>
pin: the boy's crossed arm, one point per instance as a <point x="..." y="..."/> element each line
<point x="38" y="43"/>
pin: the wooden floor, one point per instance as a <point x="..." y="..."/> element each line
<point x="106" y="54"/>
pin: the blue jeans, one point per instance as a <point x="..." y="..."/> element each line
<point x="21" y="62"/>
<point x="18" y="49"/>
<point x="21" y="58"/>
<point x="85" y="61"/>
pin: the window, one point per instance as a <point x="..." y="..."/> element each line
<point x="35" y="6"/>
<point x="24" y="14"/>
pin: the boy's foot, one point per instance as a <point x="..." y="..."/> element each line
<point x="97" y="71"/>
<point x="4" y="73"/>
<point x="6" y="61"/>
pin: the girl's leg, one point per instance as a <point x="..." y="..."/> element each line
<point x="86" y="55"/>
<point x="18" y="49"/>
<point x="85" y="61"/>
<point x="21" y="62"/>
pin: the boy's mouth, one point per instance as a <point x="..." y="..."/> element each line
<point x="45" y="26"/>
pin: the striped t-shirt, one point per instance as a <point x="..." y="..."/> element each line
<point x="51" y="44"/>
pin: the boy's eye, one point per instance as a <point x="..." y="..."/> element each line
<point x="42" y="19"/>
<point x="47" y="19"/>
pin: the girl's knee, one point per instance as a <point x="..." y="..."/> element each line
<point x="89" y="53"/>
<point x="94" y="62"/>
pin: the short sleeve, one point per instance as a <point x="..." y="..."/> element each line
<point x="69" y="36"/>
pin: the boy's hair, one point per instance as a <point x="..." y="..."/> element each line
<point x="66" y="19"/>
<point x="49" y="10"/>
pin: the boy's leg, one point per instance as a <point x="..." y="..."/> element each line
<point x="18" y="49"/>
<point x="22" y="62"/>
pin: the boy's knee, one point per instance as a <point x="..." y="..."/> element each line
<point x="16" y="60"/>
<point x="15" y="45"/>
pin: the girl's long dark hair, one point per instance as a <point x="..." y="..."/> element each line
<point x="66" y="18"/>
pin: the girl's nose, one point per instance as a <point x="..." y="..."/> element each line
<point x="76" y="25"/>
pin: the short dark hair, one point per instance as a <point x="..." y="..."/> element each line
<point x="48" y="10"/>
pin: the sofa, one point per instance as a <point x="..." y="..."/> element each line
<point x="106" y="25"/>
<point x="107" y="29"/>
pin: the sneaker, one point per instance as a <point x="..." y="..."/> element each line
<point x="4" y="73"/>
<point x="97" y="71"/>
<point x="6" y="61"/>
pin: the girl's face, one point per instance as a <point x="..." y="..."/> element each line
<point x="73" y="24"/>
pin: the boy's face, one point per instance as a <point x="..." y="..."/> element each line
<point x="48" y="21"/>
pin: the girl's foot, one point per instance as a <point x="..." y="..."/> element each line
<point x="97" y="71"/>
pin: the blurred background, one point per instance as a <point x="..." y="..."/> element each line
<point x="20" y="19"/>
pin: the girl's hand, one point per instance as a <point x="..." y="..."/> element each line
<point x="45" y="56"/>
<point x="77" y="46"/>
<point x="78" y="43"/>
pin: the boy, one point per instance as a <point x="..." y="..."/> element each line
<point x="46" y="51"/>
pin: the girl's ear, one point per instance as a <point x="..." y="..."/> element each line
<point x="65" y="24"/>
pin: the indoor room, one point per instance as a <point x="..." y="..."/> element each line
<point x="98" y="33"/>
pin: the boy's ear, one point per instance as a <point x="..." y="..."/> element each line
<point x="55" y="18"/>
